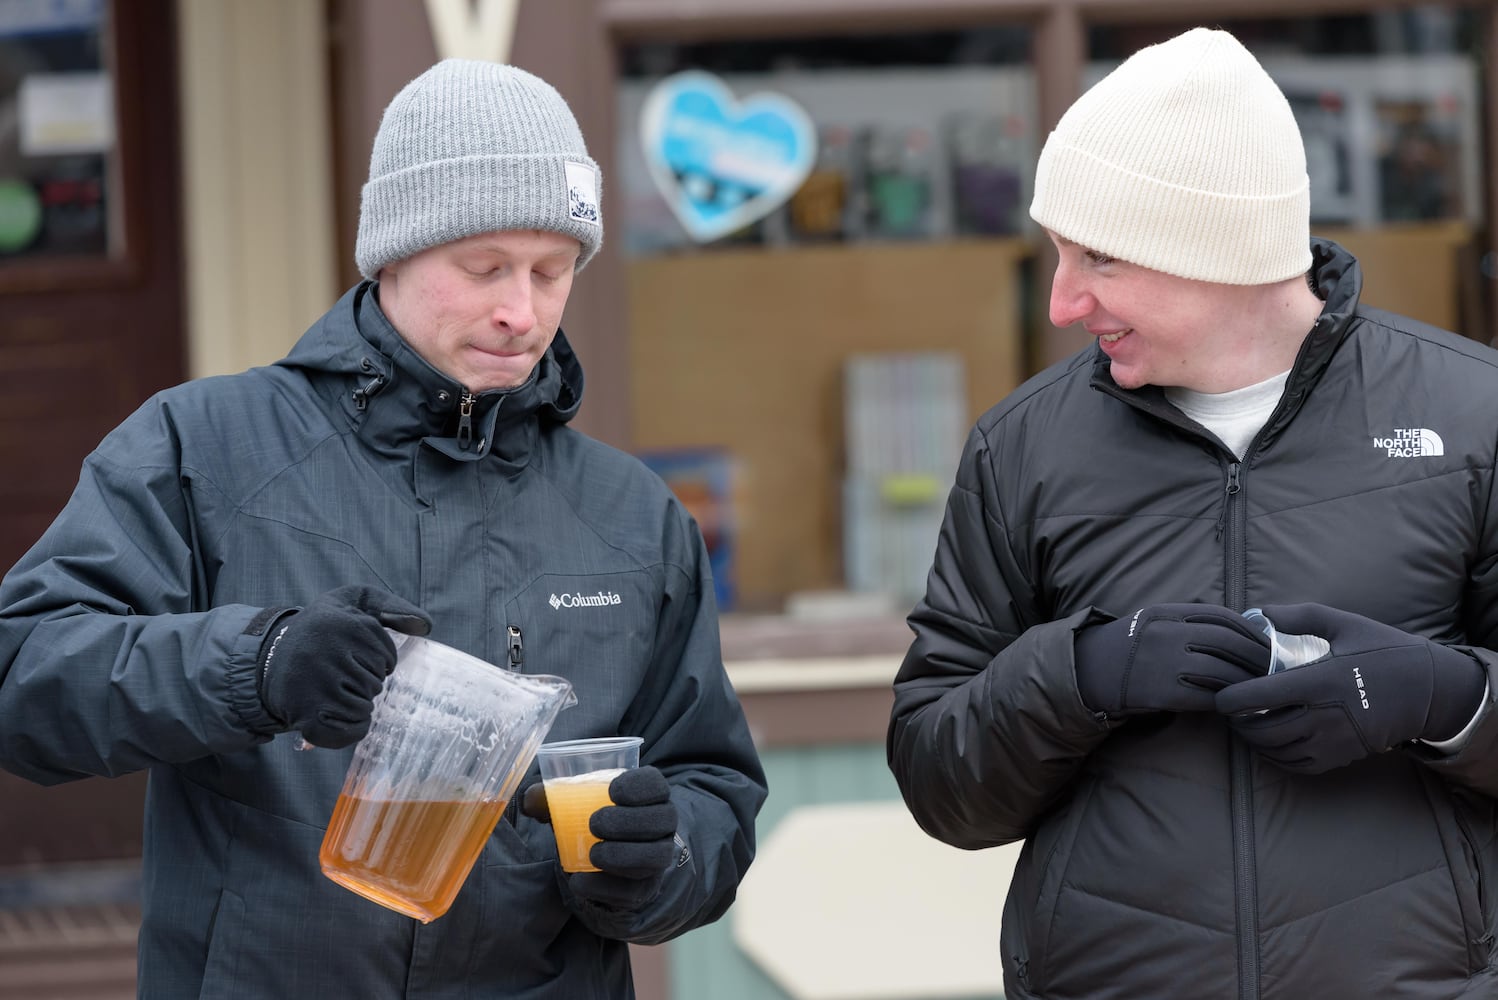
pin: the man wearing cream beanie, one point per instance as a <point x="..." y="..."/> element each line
<point x="1213" y="809"/>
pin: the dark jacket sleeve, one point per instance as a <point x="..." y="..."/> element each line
<point x="106" y="665"/>
<point x="987" y="729"/>
<point x="695" y="732"/>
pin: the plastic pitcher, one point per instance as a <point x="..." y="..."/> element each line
<point x="450" y="738"/>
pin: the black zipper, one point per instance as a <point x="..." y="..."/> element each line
<point x="1240" y="761"/>
<point x="1477" y="861"/>
<point x="514" y="648"/>
<point x="1233" y="486"/>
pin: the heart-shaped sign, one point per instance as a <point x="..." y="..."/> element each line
<point x="721" y="162"/>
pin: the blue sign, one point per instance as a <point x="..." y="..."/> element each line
<point x="722" y="163"/>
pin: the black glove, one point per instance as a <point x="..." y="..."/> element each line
<point x="1377" y="688"/>
<point x="1166" y="658"/>
<point x="321" y="667"/>
<point x="636" y="839"/>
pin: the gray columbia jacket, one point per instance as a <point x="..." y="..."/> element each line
<point x="1161" y="857"/>
<point x="126" y="643"/>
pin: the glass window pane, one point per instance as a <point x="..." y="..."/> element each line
<point x="57" y="131"/>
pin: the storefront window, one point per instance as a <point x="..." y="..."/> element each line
<point x="57" y="131"/>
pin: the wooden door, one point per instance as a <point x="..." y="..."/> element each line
<point x="91" y="323"/>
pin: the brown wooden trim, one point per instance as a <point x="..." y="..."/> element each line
<point x="1141" y="11"/>
<point x="766" y="637"/>
<point x="565" y="43"/>
<point x="378" y="46"/>
<point x="779" y="719"/>
<point x="1487" y="243"/>
<point x="672" y="19"/>
<point x="1059" y="56"/>
<point x="659" y="20"/>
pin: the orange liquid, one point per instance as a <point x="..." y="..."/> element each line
<point x="572" y="802"/>
<point x="410" y="856"/>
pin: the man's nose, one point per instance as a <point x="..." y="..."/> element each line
<point x="516" y="307"/>
<point x="1071" y="301"/>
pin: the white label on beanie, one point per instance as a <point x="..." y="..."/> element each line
<point x="582" y="192"/>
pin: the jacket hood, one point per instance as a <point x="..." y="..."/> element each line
<point x="359" y="362"/>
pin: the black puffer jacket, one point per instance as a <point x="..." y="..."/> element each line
<point x="1162" y="859"/>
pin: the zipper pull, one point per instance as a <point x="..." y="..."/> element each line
<point x="374" y="385"/>
<point x="513" y="642"/>
<point x="1233" y="487"/>
<point x="465" y="419"/>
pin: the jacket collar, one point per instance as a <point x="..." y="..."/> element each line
<point x="393" y="397"/>
<point x="1337" y="279"/>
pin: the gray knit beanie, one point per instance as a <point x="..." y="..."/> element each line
<point x="474" y="147"/>
<point x="1185" y="159"/>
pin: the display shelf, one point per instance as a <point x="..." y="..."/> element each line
<point x="744" y="350"/>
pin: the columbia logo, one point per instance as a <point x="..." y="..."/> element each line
<point x="1411" y="442"/>
<point x="598" y="600"/>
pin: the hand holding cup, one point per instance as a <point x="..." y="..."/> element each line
<point x="614" y="821"/>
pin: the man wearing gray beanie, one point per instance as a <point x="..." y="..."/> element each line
<point x="216" y="602"/>
<point x="1300" y="802"/>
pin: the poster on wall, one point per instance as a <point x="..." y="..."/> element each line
<point x="723" y="162"/>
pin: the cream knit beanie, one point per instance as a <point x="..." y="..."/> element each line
<point x="473" y="147"/>
<point x="1185" y="159"/>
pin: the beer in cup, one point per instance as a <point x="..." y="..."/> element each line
<point x="577" y="774"/>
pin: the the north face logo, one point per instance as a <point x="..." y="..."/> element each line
<point x="1411" y="442"/>
<point x="598" y="600"/>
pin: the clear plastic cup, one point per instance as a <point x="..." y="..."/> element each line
<point x="1287" y="649"/>
<point x="577" y="774"/>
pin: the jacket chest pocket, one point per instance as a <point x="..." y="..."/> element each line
<point x="596" y="630"/>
